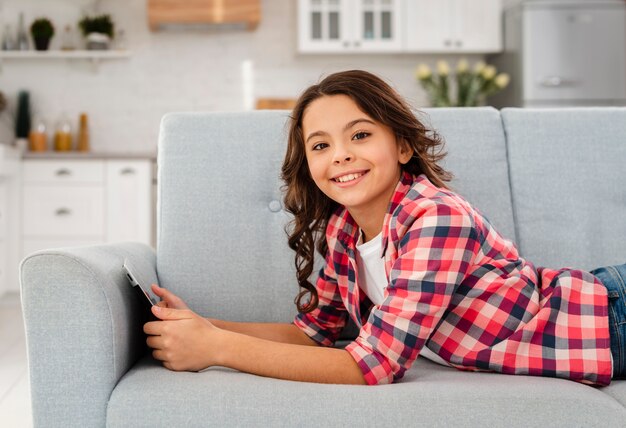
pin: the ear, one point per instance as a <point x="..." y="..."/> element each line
<point x="405" y="151"/>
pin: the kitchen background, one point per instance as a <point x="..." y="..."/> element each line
<point x="220" y="68"/>
<point x="568" y="52"/>
<point x="178" y="69"/>
<point x="557" y="52"/>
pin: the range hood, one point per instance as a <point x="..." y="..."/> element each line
<point x="197" y="12"/>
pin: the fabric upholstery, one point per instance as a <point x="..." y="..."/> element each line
<point x="568" y="169"/>
<point x="83" y="329"/>
<point x="429" y="396"/>
<point x="222" y="247"/>
<point x="221" y="239"/>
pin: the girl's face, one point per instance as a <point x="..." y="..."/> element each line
<point x="352" y="158"/>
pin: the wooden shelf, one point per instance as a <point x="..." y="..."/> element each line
<point x="93" y="56"/>
<point x="58" y="54"/>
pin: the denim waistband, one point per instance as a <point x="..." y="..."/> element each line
<point x="614" y="279"/>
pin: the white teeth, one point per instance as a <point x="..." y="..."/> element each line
<point x="348" y="177"/>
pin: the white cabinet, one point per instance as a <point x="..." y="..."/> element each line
<point x="326" y="26"/>
<point x="399" y="26"/>
<point x="453" y="26"/>
<point x="9" y="217"/>
<point x="129" y="201"/>
<point x="85" y="202"/>
<point x="4" y="233"/>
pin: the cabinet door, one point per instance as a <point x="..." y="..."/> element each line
<point x="477" y="26"/>
<point x="324" y="26"/>
<point x="378" y="25"/>
<point x="4" y="256"/>
<point x="453" y="26"/>
<point x="129" y="201"/>
<point x="4" y="209"/>
<point x="428" y="25"/>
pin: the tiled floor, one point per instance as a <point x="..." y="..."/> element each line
<point x="14" y="388"/>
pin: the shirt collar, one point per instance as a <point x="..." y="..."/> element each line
<point x="349" y="233"/>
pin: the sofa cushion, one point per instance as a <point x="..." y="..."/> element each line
<point x="221" y="239"/>
<point x="477" y="157"/>
<point x="150" y="395"/>
<point x="567" y="177"/>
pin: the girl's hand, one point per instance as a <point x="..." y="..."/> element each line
<point x="168" y="299"/>
<point x="182" y="340"/>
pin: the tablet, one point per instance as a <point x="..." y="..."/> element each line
<point x="141" y="287"/>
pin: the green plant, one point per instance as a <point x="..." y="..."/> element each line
<point x="472" y="87"/>
<point x="42" y="28"/>
<point x="97" y="24"/>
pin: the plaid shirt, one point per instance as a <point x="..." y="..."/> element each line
<point x="461" y="289"/>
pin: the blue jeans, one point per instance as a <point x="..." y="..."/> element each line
<point x="614" y="279"/>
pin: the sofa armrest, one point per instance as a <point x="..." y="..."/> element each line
<point x="83" y="328"/>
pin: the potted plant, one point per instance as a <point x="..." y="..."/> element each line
<point x="98" y="31"/>
<point x="42" y="31"/>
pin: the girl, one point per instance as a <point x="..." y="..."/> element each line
<point x="418" y="269"/>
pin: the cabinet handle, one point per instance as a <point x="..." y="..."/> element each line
<point x="62" y="212"/>
<point x="447" y="42"/>
<point x="459" y="43"/>
<point x="346" y="44"/>
<point x="357" y="44"/>
<point x="128" y="171"/>
<point x="63" y="172"/>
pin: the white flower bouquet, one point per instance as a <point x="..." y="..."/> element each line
<point x="472" y="87"/>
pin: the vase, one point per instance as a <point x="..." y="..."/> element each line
<point x="41" y="43"/>
<point x="98" y="41"/>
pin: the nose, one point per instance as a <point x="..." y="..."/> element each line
<point x="342" y="154"/>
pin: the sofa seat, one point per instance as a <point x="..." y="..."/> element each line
<point x="223" y="397"/>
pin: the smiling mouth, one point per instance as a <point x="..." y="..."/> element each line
<point x="349" y="177"/>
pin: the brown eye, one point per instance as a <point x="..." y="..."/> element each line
<point x="360" y="135"/>
<point x="319" y="146"/>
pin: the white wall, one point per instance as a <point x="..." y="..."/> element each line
<point x="178" y="70"/>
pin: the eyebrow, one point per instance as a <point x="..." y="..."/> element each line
<point x="345" y="128"/>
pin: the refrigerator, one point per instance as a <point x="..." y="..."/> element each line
<point x="563" y="53"/>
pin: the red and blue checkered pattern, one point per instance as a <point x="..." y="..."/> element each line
<point x="457" y="286"/>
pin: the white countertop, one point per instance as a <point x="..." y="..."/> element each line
<point x="88" y="155"/>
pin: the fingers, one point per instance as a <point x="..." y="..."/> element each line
<point x="155" y="342"/>
<point x="171" y="299"/>
<point x="152" y="328"/>
<point x="167" y="314"/>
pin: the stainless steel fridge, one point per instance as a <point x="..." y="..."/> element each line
<point x="563" y="53"/>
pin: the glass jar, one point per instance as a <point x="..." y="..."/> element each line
<point x="38" y="136"/>
<point x="63" y="135"/>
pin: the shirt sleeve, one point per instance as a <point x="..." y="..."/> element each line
<point x="324" y="324"/>
<point x="434" y="256"/>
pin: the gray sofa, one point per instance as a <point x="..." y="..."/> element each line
<point x="554" y="181"/>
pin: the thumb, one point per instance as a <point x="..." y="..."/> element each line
<point x="166" y="314"/>
<point x="170" y="298"/>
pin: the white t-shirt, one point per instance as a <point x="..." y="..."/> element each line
<point x="373" y="279"/>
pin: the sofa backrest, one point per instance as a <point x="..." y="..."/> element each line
<point x="568" y="178"/>
<point x="221" y="240"/>
<point x="477" y="158"/>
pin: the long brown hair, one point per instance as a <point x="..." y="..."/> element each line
<point x="310" y="207"/>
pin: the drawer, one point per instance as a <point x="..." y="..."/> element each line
<point x="62" y="172"/>
<point x="63" y="211"/>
